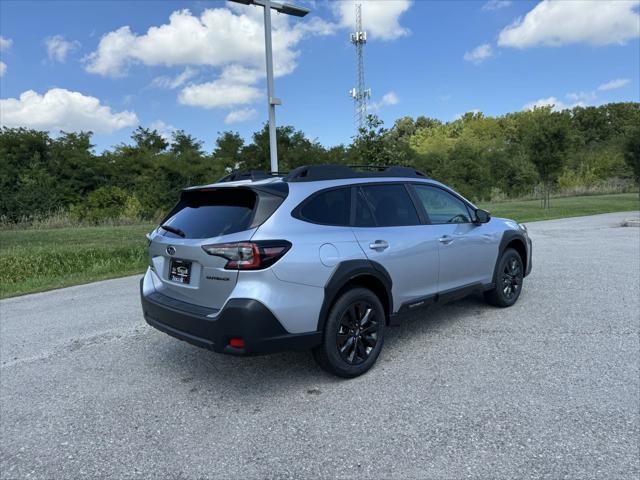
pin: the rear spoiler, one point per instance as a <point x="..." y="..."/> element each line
<point x="251" y="175"/>
<point x="279" y="189"/>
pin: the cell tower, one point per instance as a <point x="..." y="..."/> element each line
<point x="360" y="94"/>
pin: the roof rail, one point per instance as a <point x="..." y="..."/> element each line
<point x="252" y="175"/>
<point x="312" y="173"/>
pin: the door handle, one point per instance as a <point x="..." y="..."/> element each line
<point x="446" y="239"/>
<point x="379" y="245"/>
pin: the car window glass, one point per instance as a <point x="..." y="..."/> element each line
<point x="329" y="208"/>
<point x="441" y="206"/>
<point x="391" y="205"/>
<point x="364" y="216"/>
<point x="211" y="213"/>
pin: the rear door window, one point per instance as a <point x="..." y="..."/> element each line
<point x="211" y="213"/>
<point x="390" y="205"/>
<point x="331" y="207"/>
<point x="364" y="215"/>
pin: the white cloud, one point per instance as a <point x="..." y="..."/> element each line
<point x="239" y="74"/>
<point x="218" y="37"/>
<point x="557" y="23"/>
<point x="496" y="5"/>
<point x="5" y="43"/>
<point x="231" y="39"/>
<point x="220" y="93"/>
<point x="458" y="116"/>
<point x="388" y="99"/>
<point x="242" y="115"/>
<point x="60" y="109"/>
<point x="577" y="99"/>
<point x="582" y="97"/>
<point x="58" y="48"/>
<point x="479" y="54"/>
<point x="175" y="82"/>
<point x="558" y="105"/>
<point x="381" y="18"/>
<point x="164" y="130"/>
<point x="235" y="86"/>
<point x="614" y="84"/>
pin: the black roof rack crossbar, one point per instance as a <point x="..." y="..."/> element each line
<point x="312" y="173"/>
<point x="252" y="175"/>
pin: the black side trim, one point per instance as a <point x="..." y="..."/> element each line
<point x="461" y="292"/>
<point x="441" y="297"/>
<point x="350" y="270"/>
<point x="240" y="318"/>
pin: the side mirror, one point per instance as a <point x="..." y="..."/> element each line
<point x="482" y="216"/>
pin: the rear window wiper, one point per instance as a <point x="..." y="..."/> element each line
<point x="175" y="230"/>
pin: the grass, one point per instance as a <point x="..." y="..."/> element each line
<point x="34" y="260"/>
<point x="562" y="207"/>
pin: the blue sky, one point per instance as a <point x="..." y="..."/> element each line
<point x="199" y="66"/>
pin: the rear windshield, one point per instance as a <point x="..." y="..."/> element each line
<point x="210" y="213"/>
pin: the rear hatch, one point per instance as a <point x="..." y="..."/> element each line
<point x="206" y="216"/>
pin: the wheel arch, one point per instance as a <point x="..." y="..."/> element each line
<point x="357" y="273"/>
<point x="515" y="240"/>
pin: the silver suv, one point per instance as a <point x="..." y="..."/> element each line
<point x="324" y="258"/>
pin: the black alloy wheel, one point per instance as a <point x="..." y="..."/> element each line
<point x="512" y="278"/>
<point x="358" y="333"/>
<point x="508" y="280"/>
<point x="353" y="334"/>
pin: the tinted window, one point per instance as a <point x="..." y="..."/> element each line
<point x="329" y="208"/>
<point x="209" y="213"/>
<point x="391" y="205"/>
<point x="364" y="216"/>
<point x="441" y="206"/>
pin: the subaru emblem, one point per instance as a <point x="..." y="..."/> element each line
<point x="171" y="250"/>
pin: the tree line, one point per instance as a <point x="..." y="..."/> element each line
<point x="485" y="158"/>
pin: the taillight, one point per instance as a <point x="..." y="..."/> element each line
<point x="249" y="255"/>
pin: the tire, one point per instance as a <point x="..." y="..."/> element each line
<point x="508" y="281"/>
<point x="350" y="348"/>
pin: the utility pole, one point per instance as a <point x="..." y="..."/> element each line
<point x="287" y="9"/>
<point x="360" y="93"/>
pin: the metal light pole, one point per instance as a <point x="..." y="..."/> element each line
<point x="287" y="9"/>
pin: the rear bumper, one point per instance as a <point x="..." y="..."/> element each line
<point x="240" y="318"/>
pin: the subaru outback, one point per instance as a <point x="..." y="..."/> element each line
<point x="323" y="258"/>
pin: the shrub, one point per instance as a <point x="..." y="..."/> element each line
<point x="104" y="203"/>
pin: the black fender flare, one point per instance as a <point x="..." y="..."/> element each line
<point x="507" y="237"/>
<point x="347" y="271"/>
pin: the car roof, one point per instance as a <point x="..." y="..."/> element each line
<point x="320" y="177"/>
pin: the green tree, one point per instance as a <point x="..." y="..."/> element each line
<point x="24" y="154"/>
<point x="376" y="145"/>
<point x="76" y="169"/>
<point x="632" y="152"/>
<point x="150" y="140"/>
<point x="294" y="149"/>
<point x="228" y="149"/>
<point x="545" y="137"/>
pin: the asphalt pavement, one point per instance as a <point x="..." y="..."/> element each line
<point x="546" y="389"/>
